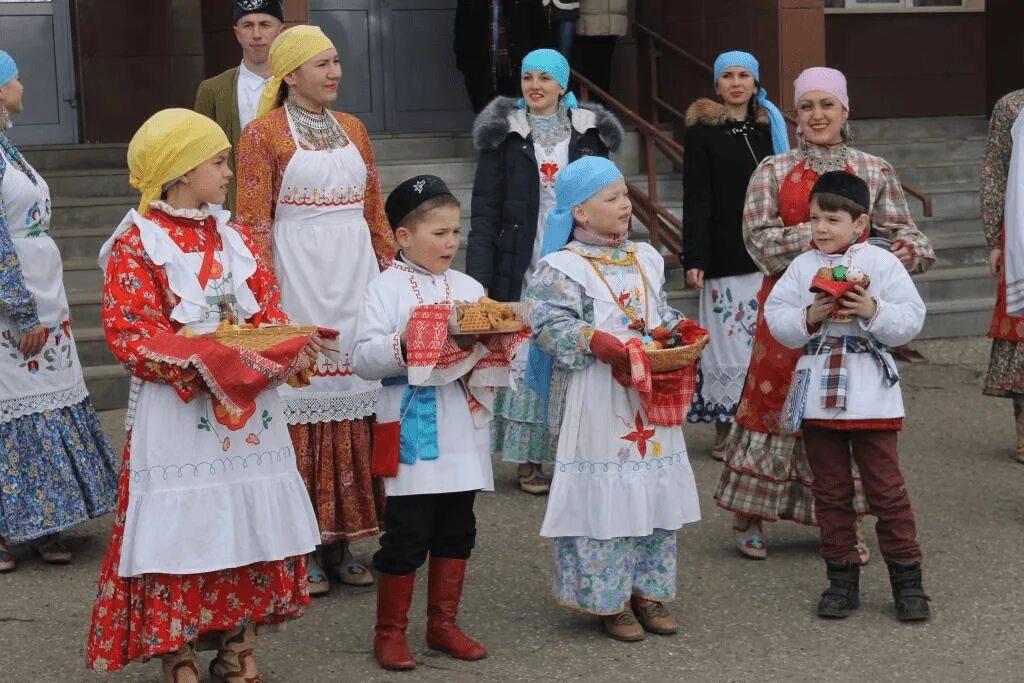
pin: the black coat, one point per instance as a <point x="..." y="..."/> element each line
<point x="506" y="190"/>
<point x="717" y="165"/>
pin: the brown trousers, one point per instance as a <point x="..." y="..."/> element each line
<point x="829" y="452"/>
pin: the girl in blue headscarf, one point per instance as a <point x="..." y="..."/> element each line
<point x="622" y="481"/>
<point x="725" y="141"/>
<point x="524" y="144"/>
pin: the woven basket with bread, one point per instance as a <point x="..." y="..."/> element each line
<point x="246" y="336"/>
<point x="487" y="316"/>
<point x="667" y="360"/>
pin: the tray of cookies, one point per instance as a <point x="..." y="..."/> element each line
<point x="487" y="316"/>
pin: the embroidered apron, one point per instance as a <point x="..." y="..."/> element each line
<point x="208" y="491"/>
<point x="615" y="474"/>
<point x="324" y="259"/>
<point x="52" y="378"/>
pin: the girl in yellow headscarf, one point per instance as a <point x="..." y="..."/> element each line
<point x="308" y="187"/>
<point x="213" y="519"/>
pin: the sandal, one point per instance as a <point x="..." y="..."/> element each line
<point x="353" y="573"/>
<point x="535" y="483"/>
<point x="750" y="540"/>
<point x="52" y="550"/>
<point x="7" y="563"/>
<point x="180" y="666"/>
<point x="863" y="551"/>
<point x="315" y="577"/>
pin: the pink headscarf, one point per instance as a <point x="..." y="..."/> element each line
<point x="822" y="78"/>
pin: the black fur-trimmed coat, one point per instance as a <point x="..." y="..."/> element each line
<point x="506" y="190"/>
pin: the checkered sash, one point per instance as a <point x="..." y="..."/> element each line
<point x="834" y="380"/>
<point x="665" y="396"/>
<point x="434" y="359"/>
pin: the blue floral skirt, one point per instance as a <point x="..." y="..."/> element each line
<point x="598" y="576"/>
<point x="56" y="471"/>
<point x="519" y="431"/>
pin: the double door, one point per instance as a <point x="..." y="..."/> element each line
<point x="398" y="66"/>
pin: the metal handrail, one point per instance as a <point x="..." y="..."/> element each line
<point x="926" y="201"/>
<point x="664" y="228"/>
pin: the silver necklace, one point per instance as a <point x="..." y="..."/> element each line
<point x="320" y="132"/>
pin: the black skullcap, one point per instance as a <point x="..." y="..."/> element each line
<point x="845" y="185"/>
<point x="272" y="7"/>
<point x="410" y="194"/>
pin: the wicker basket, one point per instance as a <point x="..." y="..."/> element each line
<point x="667" y="360"/>
<point x="260" y="338"/>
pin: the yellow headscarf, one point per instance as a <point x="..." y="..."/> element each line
<point x="169" y="144"/>
<point x="288" y="52"/>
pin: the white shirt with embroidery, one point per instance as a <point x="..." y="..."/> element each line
<point x="250" y="87"/>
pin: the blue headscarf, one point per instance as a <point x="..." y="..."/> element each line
<point x="8" y="69"/>
<point x="555" y="65"/>
<point x="780" y="135"/>
<point x="578" y="182"/>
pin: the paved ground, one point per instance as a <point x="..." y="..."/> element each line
<point x="742" y="620"/>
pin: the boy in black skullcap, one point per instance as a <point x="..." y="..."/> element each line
<point x="431" y="439"/>
<point x="845" y="302"/>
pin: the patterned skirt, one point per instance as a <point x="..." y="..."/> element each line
<point x="333" y="459"/>
<point x="519" y="431"/>
<point x="728" y="310"/>
<point x="1005" y="376"/>
<point x="767" y="477"/>
<point x="56" y="471"/>
<point x="146" y="616"/>
<point x="599" y="576"/>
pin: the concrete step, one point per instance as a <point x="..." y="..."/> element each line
<point x="85" y="307"/>
<point x="82" y="274"/>
<point x="92" y="346"/>
<point x="937" y="225"/>
<point x="72" y="213"/>
<point x="81" y="242"/>
<point x="917" y="128"/>
<point x="108" y="386"/>
<point x="902" y="153"/>
<point x="955" y="282"/>
<point x="926" y="174"/>
<point x="958" y="318"/>
<point x="49" y="158"/>
<point x="959" y="249"/>
<point x="949" y="200"/>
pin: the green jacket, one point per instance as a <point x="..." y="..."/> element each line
<point x="217" y="98"/>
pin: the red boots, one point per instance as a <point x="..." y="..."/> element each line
<point x="394" y="593"/>
<point x="444" y="591"/>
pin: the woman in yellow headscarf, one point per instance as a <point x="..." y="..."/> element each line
<point x="308" y="187"/>
<point x="213" y="520"/>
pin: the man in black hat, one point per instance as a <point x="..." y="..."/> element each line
<point x="231" y="97"/>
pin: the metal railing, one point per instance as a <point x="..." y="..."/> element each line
<point x="649" y="40"/>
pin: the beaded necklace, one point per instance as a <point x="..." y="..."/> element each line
<point x="822" y="159"/>
<point x="637" y="320"/>
<point x="548" y="131"/>
<point x="319" y="132"/>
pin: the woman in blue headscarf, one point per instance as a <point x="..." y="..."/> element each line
<point x="57" y="467"/>
<point x="725" y="141"/>
<point x="524" y="144"/>
<point x="623" y="484"/>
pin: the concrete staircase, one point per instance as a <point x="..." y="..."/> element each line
<point x="89" y="186"/>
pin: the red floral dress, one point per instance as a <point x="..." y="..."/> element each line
<point x="146" y="616"/>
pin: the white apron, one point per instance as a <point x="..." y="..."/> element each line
<point x="204" y="496"/>
<point x="323" y="259"/>
<point x="615" y="474"/>
<point x="728" y="311"/>
<point x="52" y="378"/>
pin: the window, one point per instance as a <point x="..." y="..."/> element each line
<point x="904" y="5"/>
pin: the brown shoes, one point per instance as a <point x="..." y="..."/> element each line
<point x="654" y="617"/>
<point x="623" y="626"/>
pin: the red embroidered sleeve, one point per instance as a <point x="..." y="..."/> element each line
<point x="256" y="168"/>
<point x="373" y="202"/>
<point x="135" y="295"/>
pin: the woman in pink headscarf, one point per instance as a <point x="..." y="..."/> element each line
<point x="766" y="476"/>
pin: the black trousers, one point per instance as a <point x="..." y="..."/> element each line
<point x="442" y="524"/>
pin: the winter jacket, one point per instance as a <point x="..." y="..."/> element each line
<point x="717" y="165"/>
<point x="506" y="190"/>
<point x="603" y="18"/>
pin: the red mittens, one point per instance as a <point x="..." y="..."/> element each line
<point x="689" y="332"/>
<point x="608" y="349"/>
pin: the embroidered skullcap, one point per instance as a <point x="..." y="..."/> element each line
<point x="780" y="136"/>
<point x="290" y="50"/>
<point x="553" y="64"/>
<point x="271" y="7"/>
<point x="169" y="144"/>
<point x="8" y="69"/>
<point x="412" y="193"/>
<point x="577" y="182"/>
<point x="843" y="184"/>
<point x="822" y="78"/>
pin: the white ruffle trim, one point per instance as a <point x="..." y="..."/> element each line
<point x="200" y="214"/>
<point x="13" y="408"/>
<point x="311" y="408"/>
<point x="213" y="527"/>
